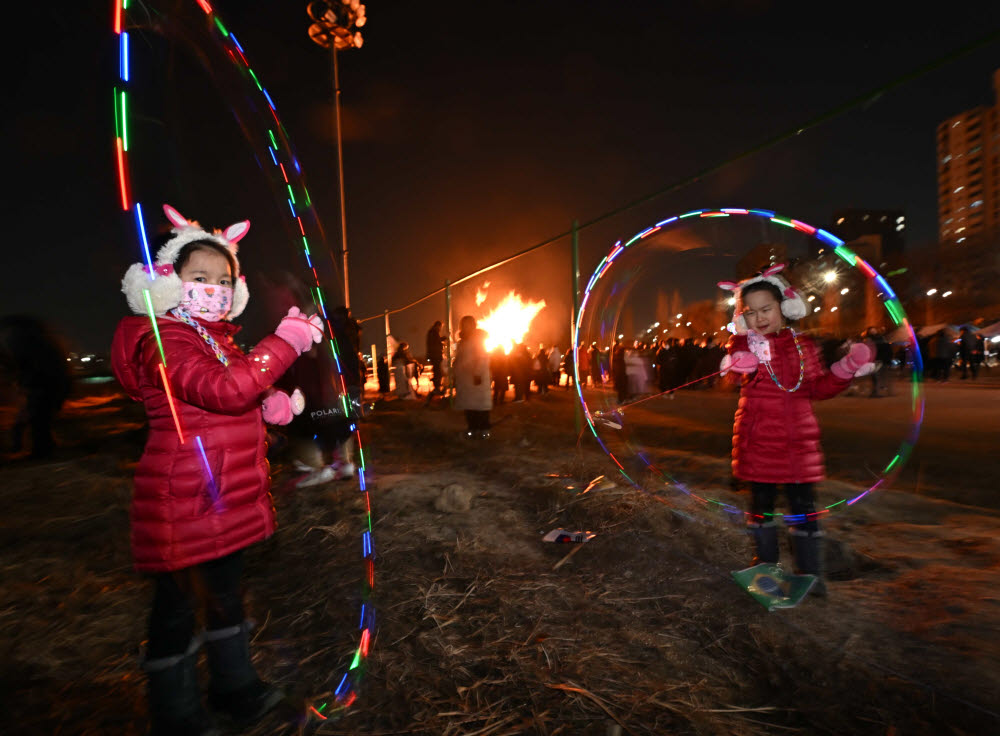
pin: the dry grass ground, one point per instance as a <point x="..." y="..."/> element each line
<point x="485" y="630"/>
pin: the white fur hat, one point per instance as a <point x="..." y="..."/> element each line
<point x="792" y="305"/>
<point x="164" y="286"/>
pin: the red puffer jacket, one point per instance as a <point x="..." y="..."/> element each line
<point x="191" y="506"/>
<point x="775" y="434"/>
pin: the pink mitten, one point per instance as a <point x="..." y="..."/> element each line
<point x="739" y="362"/>
<point x="300" y="331"/>
<point x="279" y="407"/>
<point x="859" y="361"/>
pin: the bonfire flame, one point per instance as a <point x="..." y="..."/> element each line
<point x="481" y="293"/>
<point x="509" y="322"/>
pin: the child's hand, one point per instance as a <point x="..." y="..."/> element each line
<point x="300" y="331"/>
<point x="279" y="408"/>
<point x="740" y="361"/>
<point x="859" y="361"/>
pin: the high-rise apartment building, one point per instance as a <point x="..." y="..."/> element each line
<point x="968" y="162"/>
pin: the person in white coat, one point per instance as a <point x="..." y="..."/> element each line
<point x="472" y="378"/>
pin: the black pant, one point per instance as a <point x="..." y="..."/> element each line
<point x="212" y="587"/>
<point x="801" y="504"/>
<point x="40" y="408"/>
<point x="477" y="420"/>
<point x="436" y="374"/>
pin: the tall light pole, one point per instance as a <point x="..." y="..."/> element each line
<point x="335" y="27"/>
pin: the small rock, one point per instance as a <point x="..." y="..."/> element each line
<point x="453" y="498"/>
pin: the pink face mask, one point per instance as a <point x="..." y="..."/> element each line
<point x="209" y="302"/>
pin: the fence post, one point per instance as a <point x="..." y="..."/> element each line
<point x="578" y="413"/>
<point x="388" y="350"/>
<point x="447" y="308"/>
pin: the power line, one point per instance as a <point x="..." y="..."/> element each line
<point x="859" y="101"/>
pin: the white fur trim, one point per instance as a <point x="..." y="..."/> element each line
<point x="182" y="236"/>
<point x="793" y="307"/>
<point x="165" y="292"/>
<point x="241" y="295"/>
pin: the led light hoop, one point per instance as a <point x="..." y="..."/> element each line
<point x="889" y="301"/>
<point x="287" y="171"/>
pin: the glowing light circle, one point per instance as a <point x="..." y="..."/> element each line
<point x="284" y="176"/>
<point x="596" y="319"/>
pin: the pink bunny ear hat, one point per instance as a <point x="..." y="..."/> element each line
<point x="164" y="286"/>
<point x="792" y="305"/>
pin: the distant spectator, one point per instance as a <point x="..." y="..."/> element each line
<point x="970" y="352"/>
<point x="402" y="362"/>
<point x="883" y="361"/>
<point x="472" y="378"/>
<point x="499" y="371"/>
<point x="435" y="356"/>
<point x="32" y="357"/>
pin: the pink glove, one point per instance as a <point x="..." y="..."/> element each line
<point x="279" y="407"/>
<point x="740" y="361"/>
<point x="300" y="331"/>
<point x="859" y="361"/>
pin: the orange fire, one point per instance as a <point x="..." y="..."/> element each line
<point x="509" y="322"/>
<point x="481" y="293"/>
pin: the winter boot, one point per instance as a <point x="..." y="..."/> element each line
<point x="175" y="707"/>
<point x="235" y="689"/>
<point x="765" y="542"/>
<point x="808" y="550"/>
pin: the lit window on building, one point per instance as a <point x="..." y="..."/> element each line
<point x="977" y="203"/>
<point x="958" y="189"/>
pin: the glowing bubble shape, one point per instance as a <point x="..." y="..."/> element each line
<point x="673" y="253"/>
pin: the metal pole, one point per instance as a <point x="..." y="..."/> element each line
<point x="578" y="414"/>
<point x="447" y="307"/>
<point x="388" y="350"/>
<point x="340" y="175"/>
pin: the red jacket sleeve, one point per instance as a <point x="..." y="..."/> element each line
<point x="825" y="385"/>
<point x="198" y="378"/>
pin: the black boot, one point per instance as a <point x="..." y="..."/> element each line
<point x="808" y="550"/>
<point x="175" y="707"/>
<point x="765" y="542"/>
<point x="235" y="688"/>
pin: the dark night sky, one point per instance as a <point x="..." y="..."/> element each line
<point x="474" y="130"/>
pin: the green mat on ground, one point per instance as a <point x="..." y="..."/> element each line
<point x="772" y="586"/>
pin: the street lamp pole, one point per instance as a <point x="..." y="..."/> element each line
<point x="335" y="27"/>
<point x="340" y="174"/>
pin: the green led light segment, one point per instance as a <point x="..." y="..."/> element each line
<point x="221" y="27"/>
<point x="124" y="124"/>
<point x="156" y="329"/>
<point x="846" y="254"/>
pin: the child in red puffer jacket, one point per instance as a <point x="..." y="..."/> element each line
<point x="776" y="438"/>
<point x="202" y="485"/>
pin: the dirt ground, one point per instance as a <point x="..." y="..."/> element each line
<point x="483" y="628"/>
